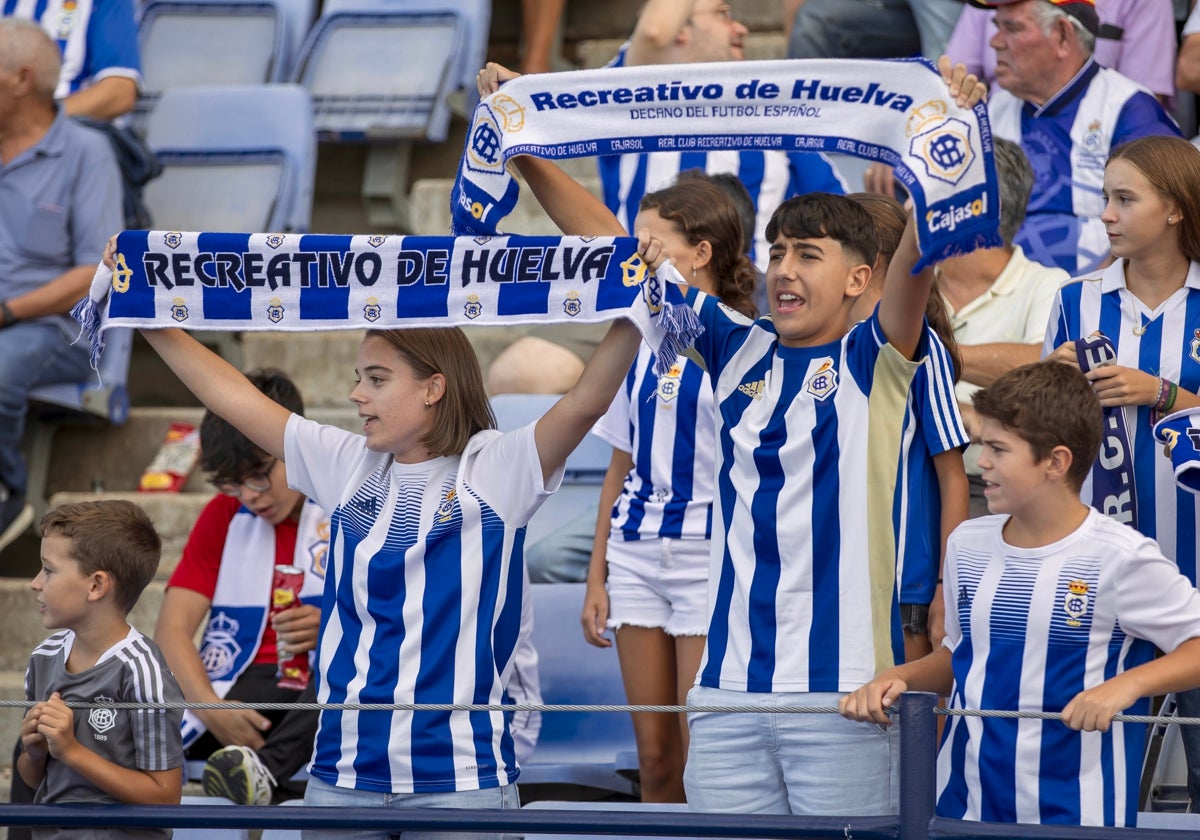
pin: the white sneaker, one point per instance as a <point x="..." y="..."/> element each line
<point x="238" y="774"/>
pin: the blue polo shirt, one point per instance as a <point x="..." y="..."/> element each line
<point x="59" y="202"/>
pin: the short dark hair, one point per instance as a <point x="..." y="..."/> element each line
<point x="113" y="536"/>
<point x="1048" y="404"/>
<point x="818" y="215"/>
<point x="227" y="453"/>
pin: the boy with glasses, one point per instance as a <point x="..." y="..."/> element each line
<point x="255" y="523"/>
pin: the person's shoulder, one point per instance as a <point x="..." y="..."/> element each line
<point x="52" y="645"/>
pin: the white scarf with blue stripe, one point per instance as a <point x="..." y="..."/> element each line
<point x="238" y="614"/>
<point x="897" y="112"/>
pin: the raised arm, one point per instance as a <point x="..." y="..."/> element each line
<point x="561" y="428"/>
<point x="222" y="388"/>
<point x="656" y="29"/>
<point x="568" y="203"/>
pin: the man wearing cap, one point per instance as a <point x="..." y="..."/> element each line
<point x="1068" y="113"/>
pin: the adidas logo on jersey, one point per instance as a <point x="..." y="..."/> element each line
<point x="754" y="390"/>
<point x="370" y="505"/>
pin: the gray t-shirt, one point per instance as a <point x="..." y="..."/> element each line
<point x="132" y="670"/>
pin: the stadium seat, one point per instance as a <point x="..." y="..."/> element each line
<point x="209" y="833"/>
<point x="576" y="749"/>
<point x="217" y="42"/>
<point x="235" y="158"/>
<point x="586" y="465"/>
<point x="382" y="69"/>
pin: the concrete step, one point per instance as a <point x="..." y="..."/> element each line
<point x="431" y="208"/>
<point x="22" y="630"/>
<point x="112" y="458"/>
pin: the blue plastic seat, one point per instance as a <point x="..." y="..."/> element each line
<point x="235" y="157"/>
<point x="574" y="748"/>
<point x="217" y="42"/>
<point x="586" y="465"/>
<point x="382" y="69"/>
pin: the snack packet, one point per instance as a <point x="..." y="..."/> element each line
<point x="294" y="670"/>
<point x="169" y="469"/>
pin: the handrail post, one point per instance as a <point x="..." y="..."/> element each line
<point x="918" y="763"/>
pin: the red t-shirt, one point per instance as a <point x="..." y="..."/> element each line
<point x="201" y="560"/>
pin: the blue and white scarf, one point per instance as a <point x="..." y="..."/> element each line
<point x="238" y="615"/>
<point x="260" y="281"/>
<point x="897" y="112"/>
<point x="1113" y="491"/>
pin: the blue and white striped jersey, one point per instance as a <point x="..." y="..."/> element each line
<point x="1067" y="141"/>
<point x="932" y="425"/>
<point x="771" y="177"/>
<point x="666" y="424"/>
<point x="1164" y="342"/>
<point x="97" y="38"/>
<point x="1029" y="629"/>
<point x="803" y="572"/>
<point x="422" y="604"/>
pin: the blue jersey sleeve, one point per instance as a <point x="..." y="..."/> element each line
<point x="112" y="45"/>
<point x="813" y="172"/>
<point x="940" y="422"/>
<point x="1142" y="116"/>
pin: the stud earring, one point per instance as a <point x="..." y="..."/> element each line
<point x="427" y="403"/>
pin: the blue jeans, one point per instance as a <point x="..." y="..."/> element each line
<point x="324" y="795"/>
<point x="32" y="353"/>
<point x="1187" y="704"/>
<point x="791" y="763"/>
<point x="854" y="29"/>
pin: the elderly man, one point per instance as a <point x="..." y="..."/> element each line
<point x="60" y="198"/>
<point x="1067" y="112"/>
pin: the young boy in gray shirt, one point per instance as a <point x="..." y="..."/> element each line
<point x="97" y="557"/>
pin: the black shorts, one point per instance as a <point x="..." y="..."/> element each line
<point x="914" y="619"/>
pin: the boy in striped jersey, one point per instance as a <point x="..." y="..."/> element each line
<point x="1050" y="607"/>
<point x="801" y="595"/>
<point x="97" y="557"/>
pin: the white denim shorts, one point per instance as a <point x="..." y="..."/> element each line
<point x="659" y="583"/>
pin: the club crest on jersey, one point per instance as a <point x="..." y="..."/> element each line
<point x="824" y="382"/>
<point x="572" y="305"/>
<point x="179" y="310"/>
<point x="371" y="309"/>
<point x="1194" y="350"/>
<point x="275" y="240"/>
<point x="1094" y="137"/>
<point x="753" y="390"/>
<point x="668" y="383"/>
<point x="221" y="649"/>
<point x="445" y="510"/>
<point x="102" y="720"/>
<point x="1075" y="604"/>
<point x="173" y="239"/>
<point x="275" y="310"/>
<point x="318" y="550"/>
<point x="473" y="308"/>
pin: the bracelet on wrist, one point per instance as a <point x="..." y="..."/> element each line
<point x="1164" y="393"/>
<point x="1170" y="404"/>
<point x="7" y="314"/>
